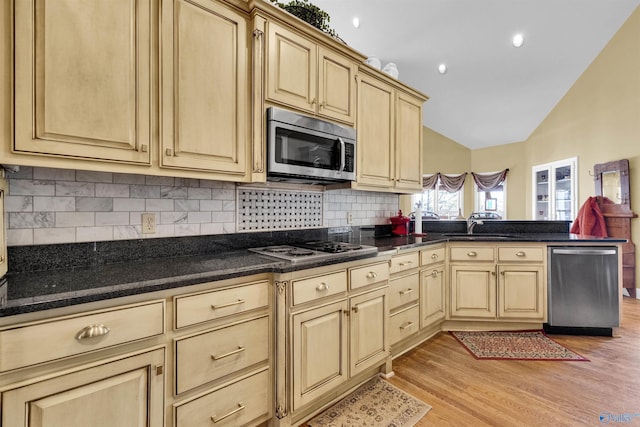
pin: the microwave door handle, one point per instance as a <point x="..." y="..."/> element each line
<point x="342" y="155"/>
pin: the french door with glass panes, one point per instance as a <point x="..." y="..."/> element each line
<point x="555" y="190"/>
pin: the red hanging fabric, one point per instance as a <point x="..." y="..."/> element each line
<point x="590" y="220"/>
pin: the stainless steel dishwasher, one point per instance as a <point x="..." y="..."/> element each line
<point x="583" y="290"/>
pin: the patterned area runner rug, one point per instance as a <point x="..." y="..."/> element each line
<point x="376" y="403"/>
<point x="520" y="345"/>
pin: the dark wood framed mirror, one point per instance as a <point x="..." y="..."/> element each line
<point x="612" y="181"/>
<point x="612" y="191"/>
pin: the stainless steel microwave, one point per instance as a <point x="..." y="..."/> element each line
<point x="308" y="150"/>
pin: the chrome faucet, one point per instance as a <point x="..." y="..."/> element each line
<point x="471" y="224"/>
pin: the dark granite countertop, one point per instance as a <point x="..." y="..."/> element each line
<point x="63" y="282"/>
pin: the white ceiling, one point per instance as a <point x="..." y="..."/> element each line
<point x="492" y="93"/>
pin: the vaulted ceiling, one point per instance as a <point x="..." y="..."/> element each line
<point x="492" y="92"/>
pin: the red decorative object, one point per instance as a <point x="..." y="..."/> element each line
<point x="400" y="224"/>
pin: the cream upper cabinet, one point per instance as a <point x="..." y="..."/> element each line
<point x="309" y="77"/>
<point x="205" y="109"/>
<point x="84" y="79"/>
<point x="389" y="137"/>
<point x="375" y="151"/>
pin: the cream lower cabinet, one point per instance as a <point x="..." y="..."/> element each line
<point x="497" y="282"/>
<point x="389" y="136"/>
<point x="122" y="392"/>
<point x="433" y="286"/>
<point x="223" y="344"/>
<point x="334" y="330"/>
<point x="404" y="296"/>
<point x="74" y="371"/>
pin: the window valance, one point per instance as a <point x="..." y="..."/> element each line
<point x="450" y="183"/>
<point x="489" y="181"/>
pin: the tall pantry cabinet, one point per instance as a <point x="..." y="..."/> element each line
<point x="555" y="190"/>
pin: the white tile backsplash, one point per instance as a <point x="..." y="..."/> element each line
<point x="46" y="206"/>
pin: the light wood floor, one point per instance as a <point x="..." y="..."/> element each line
<point x="464" y="391"/>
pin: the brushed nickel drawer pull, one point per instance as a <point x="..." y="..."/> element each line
<point x="434" y="273"/>
<point x="402" y="264"/>
<point x="408" y="291"/>
<point x="406" y="326"/>
<point x="238" y="409"/>
<point x="229" y="304"/>
<point x="92" y="331"/>
<point x="371" y="275"/>
<point x="434" y="256"/>
<point x="322" y="287"/>
<point x="520" y="254"/>
<point x="240" y="349"/>
<point x="472" y="254"/>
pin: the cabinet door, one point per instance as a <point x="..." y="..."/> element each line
<point x="83" y="79"/>
<point x="432" y="296"/>
<point x="369" y="341"/>
<point x="336" y="86"/>
<point x="521" y="292"/>
<point x="3" y="237"/>
<point x="319" y="351"/>
<point x="473" y="291"/>
<point x="205" y="80"/>
<point x="291" y="69"/>
<point x="126" y="393"/>
<point x="376" y="155"/>
<point x="408" y="143"/>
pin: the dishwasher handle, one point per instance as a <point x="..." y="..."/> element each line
<point x="589" y="251"/>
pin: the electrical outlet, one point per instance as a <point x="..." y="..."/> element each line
<point x="349" y="217"/>
<point x="148" y="223"/>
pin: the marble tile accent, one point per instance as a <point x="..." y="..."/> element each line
<point x="47" y="206"/>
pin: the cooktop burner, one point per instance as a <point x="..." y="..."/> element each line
<point x="314" y="250"/>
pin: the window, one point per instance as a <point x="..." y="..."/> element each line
<point x="447" y="205"/>
<point x="493" y="200"/>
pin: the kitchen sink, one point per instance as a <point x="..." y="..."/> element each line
<point x="481" y="236"/>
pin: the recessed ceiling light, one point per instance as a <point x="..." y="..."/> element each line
<point x="442" y="68"/>
<point x="356" y="22"/>
<point x="518" y="40"/>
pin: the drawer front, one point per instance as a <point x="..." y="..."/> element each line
<point x="235" y="405"/>
<point x="472" y="253"/>
<point x="208" y="356"/>
<point x="367" y="275"/>
<point x="313" y="288"/>
<point x="403" y="290"/>
<point x="404" y="262"/>
<point x="431" y="256"/>
<point x="404" y="324"/>
<point x="72" y="335"/>
<point x="202" y="307"/>
<point x="524" y="253"/>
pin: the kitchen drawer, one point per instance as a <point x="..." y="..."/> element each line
<point x="404" y="324"/>
<point x="521" y="253"/>
<point x="369" y="274"/>
<point x="312" y="288"/>
<point x="56" y="338"/>
<point x="431" y="256"/>
<point x="208" y="356"/>
<point x="472" y="253"/>
<point x="201" y="307"/>
<point x="403" y="262"/>
<point x="403" y="290"/>
<point x="235" y="405"/>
